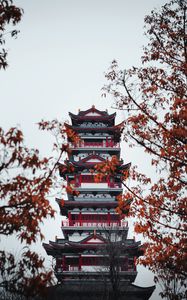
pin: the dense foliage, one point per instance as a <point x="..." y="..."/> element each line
<point x="26" y="181"/>
<point x="10" y="15"/>
<point x="153" y="98"/>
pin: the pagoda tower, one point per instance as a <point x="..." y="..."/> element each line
<point x="94" y="257"/>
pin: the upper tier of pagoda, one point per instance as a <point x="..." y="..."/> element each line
<point x="92" y="114"/>
<point x="115" y="130"/>
<point x="66" y="206"/>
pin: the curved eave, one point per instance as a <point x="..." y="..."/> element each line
<point x="77" y="204"/>
<point x="49" y="249"/>
<point x="72" y="288"/>
<point x="125" y="167"/>
<point x="85" y="164"/>
<point x="70" y="245"/>
<point x="82" y="115"/>
<point x="144" y="292"/>
<point x="68" y="205"/>
<point x="90" y="166"/>
<point x="63" y="169"/>
<point x="115" y="128"/>
<point x="80" y="165"/>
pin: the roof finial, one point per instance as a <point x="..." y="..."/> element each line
<point x="93" y="106"/>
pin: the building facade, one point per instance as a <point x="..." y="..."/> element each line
<point x="94" y="257"/>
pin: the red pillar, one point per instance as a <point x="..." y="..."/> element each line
<point x="80" y="262"/>
<point x="127" y="261"/>
<point x="70" y="219"/>
<point x="109" y="218"/>
<point x="64" y="263"/>
<point x="80" y="219"/>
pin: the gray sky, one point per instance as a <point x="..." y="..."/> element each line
<point x="57" y="65"/>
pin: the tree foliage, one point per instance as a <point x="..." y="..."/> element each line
<point x="10" y="15"/>
<point x="26" y="277"/>
<point x="23" y="191"/>
<point x="26" y="181"/>
<point x="24" y="186"/>
<point x="153" y="98"/>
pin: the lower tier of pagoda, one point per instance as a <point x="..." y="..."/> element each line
<point x="62" y="276"/>
<point x="73" y="289"/>
<point x="92" y="263"/>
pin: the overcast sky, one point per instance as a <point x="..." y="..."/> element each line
<point x="57" y="65"/>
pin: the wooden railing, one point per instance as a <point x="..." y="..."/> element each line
<point x="83" y="144"/>
<point x="100" y="224"/>
<point x="71" y="268"/>
<point x="96" y="184"/>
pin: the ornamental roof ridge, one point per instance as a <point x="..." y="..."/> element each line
<point x="85" y="163"/>
<point x="69" y="244"/>
<point x="91" y="236"/>
<point x="94" y="156"/>
<point x="92" y="110"/>
<point x="55" y="245"/>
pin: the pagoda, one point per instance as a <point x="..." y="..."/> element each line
<point x="94" y="257"/>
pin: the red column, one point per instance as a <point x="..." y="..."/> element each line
<point x="127" y="262"/>
<point x="70" y="219"/>
<point x="80" y="179"/>
<point x="80" y="262"/>
<point x="80" y="219"/>
<point x="109" y="218"/>
<point x="64" y="263"/>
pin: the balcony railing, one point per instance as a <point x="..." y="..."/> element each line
<point x="89" y="223"/>
<point x="83" y="144"/>
<point x="97" y="185"/>
<point x="97" y="269"/>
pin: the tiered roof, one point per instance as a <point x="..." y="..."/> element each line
<point x="92" y="242"/>
<point x="89" y="124"/>
<point x="92" y="114"/>
<point x="68" y="205"/>
<point x="115" y="130"/>
<point x="87" y="163"/>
